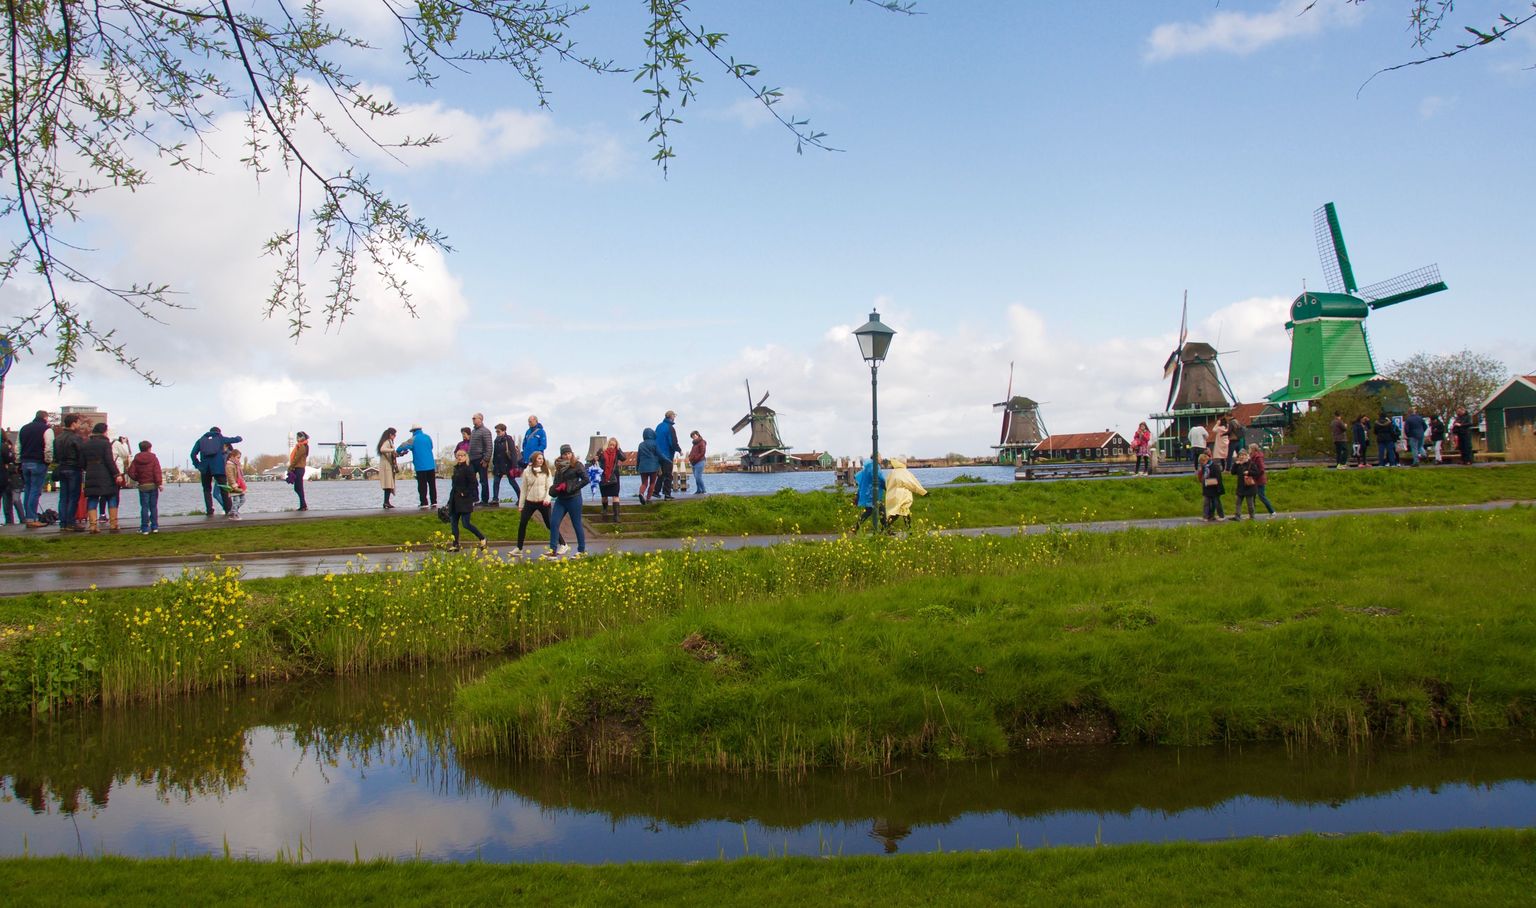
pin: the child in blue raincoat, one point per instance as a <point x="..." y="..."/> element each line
<point x="869" y="496"/>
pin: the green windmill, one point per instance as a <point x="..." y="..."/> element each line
<point x="1329" y="348"/>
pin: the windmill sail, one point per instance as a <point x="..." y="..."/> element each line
<point x="1330" y="250"/>
<point x="1416" y="283"/>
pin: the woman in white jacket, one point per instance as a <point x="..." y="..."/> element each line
<point x="534" y="497"/>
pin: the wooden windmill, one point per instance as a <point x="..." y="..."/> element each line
<point x="1329" y="347"/>
<point x="1198" y="390"/>
<point x="764" y="446"/>
<point x="1022" y="429"/>
<point x="341" y="458"/>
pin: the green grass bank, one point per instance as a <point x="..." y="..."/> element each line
<point x="1486" y="867"/>
<point x="819" y="512"/>
<point x="1310" y="631"/>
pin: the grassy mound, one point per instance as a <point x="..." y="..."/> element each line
<point x="1311" y="631"/>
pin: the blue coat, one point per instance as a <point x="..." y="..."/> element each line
<point x="420" y="448"/>
<point x="534" y="440"/>
<point x="666" y="440"/>
<point x="866" y="484"/>
<point x="648" y="456"/>
<point x="212" y="460"/>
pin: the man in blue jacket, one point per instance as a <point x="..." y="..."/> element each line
<point x="667" y="446"/>
<point x="208" y="460"/>
<point x="534" y="440"/>
<point x="424" y="462"/>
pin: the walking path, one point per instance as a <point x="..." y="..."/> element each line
<point x="57" y="577"/>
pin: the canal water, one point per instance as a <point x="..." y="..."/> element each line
<point x="180" y="499"/>
<point x="339" y="768"/>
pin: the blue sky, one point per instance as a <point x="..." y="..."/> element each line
<point x="1036" y="183"/>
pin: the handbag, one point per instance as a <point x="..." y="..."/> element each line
<point x="1212" y="481"/>
<point x="146" y="487"/>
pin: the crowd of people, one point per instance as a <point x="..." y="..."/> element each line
<point x="1411" y="439"/>
<point x="91" y="470"/>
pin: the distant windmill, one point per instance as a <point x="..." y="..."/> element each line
<point x="340" y="459"/>
<point x="1022" y="430"/>
<point x="764" y="446"/>
<point x="1195" y="377"/>
<point x="1329" y="347"/>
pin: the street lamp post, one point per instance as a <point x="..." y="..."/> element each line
<point x="874" y="342"/>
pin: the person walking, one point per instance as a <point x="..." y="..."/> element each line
<point x="1461" y="430"/>
<point x="1340" y="442"/>
<point x="534" y="499"/>
<point x="423" y="462"/>
<point x="32" y="450"/>
<point x="1141" y="447"/>
<point x="648" y="465"/>
<point x="461" y="499"/>
<point x="1198" y="436"/>
<point x="668" y="446"/>
<point x="69" y="470"/>
<point x="145" y="472"/>
<point x="1260" y="476"/>
<point x="10" y="482"/>
<point x="1386" y="438"/>
<point x="1437" y="436"/>
<point x="1415" y="428"/>
<point x="504" y="464"/>
<point x="208" y="460"/>
<point x="388" y="461"/>
<point x="234" y="472"/>
<point x="1362" y="434"/>
<point x="900" y="486"/>
<point x="298" y="465"/>
<point x="480" y="456"/>
<point x="610" y="461"/>
<point x="869" y="496"/>
<point x="1246" y="479"/>
<point x="696" y="454"/>
<point x="1208" y="473"/>
<point x="100" y="474"/>
<point x="535" y="440"/>
<point x="569" y="479"/>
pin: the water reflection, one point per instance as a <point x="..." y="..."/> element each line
<point x="362" y="766"/>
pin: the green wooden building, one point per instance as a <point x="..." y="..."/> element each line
<point x="1510" y="415"/>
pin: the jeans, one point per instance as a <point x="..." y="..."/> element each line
<point x="34" y="475"/>
<point x="70" y="482"/>
<point x="567" y="505"/>
<point x="10" y="503"/>
<point x="647" y="486"/>
<point x="664" y="482"/>
<point x="483" y="473"/>
<point x="1340" y="453"/>
<point x="496" y="486"/>
<point x="213" y="481"/>
<point x="426" y="483"/>
<point x="149" y="510"/>
<point x="1194" y="455"/>
<point x="698" y="478"/>
<point x="456" y="519"/>
<point x="1416" y="448"/>
<point x="1383" y="454"/>
<point x="1213" y="508"/>
<point x="298" y="489"/>
<point x="1258" y="492"/>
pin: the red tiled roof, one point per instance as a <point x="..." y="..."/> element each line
<point x="1246" y="412"/>
<point x="1077" y="441"/>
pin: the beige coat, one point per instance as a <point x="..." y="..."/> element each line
<point x="536" y="487"/>
<point x="387" y="466"/>
<point x="900" y="486"/>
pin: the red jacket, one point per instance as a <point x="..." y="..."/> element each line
<point x="696" y="453"/>
<point x="146" y="468"/>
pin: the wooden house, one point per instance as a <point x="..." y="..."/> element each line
<point x="1510" y="414"/>
<point x="1083" y="446"/>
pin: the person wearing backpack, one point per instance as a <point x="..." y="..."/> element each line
<point x="208" y="460"/>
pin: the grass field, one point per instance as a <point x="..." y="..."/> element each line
<point x="1485" y="867"/>
<point x="1316" y="631"/>
<point x="820" y="512"/>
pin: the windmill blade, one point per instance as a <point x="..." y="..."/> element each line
<point x="765" y="397"/>
<point x="1221" y="376"/>
<point x="1173" y="388"/>
<point x="1172" y="364"/>
<point x="1330" y="250"/>
<point x="741" y="423"/>
<point x="749" y="398"/>
<point x="1184" y="322"/>
<point x="1007" y="419"/>
<point x="1416" y="283"/>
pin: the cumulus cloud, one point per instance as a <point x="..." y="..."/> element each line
<point x="1434" y="105"/>
<point x="1241" y="33"/>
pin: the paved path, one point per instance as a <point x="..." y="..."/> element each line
<point x="67" y="576"/>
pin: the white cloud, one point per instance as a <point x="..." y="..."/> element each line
<point x="1434" y="105"/>
<point x="750" y="112"/>
<point x="1242" y="33"/>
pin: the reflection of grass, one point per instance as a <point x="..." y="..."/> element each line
<point x="1302" y="631"/>
<point x="980" y="505"/>
<point x="1468" y="868"/>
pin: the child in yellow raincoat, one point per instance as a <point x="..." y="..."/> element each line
<point x="900" y="486"/>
